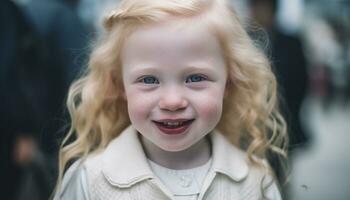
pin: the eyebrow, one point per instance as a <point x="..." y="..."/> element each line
<point x="199" y="67"/>
<point x="188" y="69"/>
<point x="144" y="69"/>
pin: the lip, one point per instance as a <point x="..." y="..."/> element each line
<point x="173" y="120"/>
<point x="173" y="131"/>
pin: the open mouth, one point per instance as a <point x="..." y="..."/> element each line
<point x="173" y="126"/>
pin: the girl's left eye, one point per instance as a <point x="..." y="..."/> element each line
<point x="195" y="78"/>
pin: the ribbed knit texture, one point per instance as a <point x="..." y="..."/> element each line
<point x="221" y="188"/>
<point x="122" y="172"/>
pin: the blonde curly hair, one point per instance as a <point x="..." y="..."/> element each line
<point x="250" y="118"/>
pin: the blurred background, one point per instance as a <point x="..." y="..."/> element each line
<point x="44" y="45"/>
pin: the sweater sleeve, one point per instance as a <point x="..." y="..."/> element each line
<point x="74" y="184"/>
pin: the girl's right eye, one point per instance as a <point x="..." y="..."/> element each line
<point x="149" y="80"/>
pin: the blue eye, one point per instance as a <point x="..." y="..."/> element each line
<point x="195" y="78"/>
<point x="149" y="80"/>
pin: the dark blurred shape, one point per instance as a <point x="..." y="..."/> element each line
<point x="64" y="32"/>
<point x="330" y="59"/>
<point x="289" y="65"/>
<point x="39" y="43"/>
<point x="36" y="182"/>
<point x="65" y="45"/>
<point x="25" y="97"/>
<point x="339" y="72"/>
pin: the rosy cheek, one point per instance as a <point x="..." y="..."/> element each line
<point x="211" y="107"/>
<point x="135" y="113"/>
<point x="212" y="110"/>
<point x="139" y="105"/>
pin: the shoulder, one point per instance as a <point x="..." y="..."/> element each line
<point x="74" y="184"/>
<point x="260" y="181"/>
<point x="235" y="168"/>
<point x="79" y="178"/>
<point x="93" y="164"/>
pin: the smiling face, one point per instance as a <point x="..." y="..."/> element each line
<point x="174" y="79"/>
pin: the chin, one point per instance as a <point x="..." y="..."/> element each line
<point x="175" y="148"/>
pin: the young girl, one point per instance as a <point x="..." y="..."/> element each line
<point x="177" y="104"/>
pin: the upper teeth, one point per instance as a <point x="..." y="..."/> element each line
<point x="172" y="123"/>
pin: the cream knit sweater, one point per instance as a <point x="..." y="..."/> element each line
<point x="121" y="172"/>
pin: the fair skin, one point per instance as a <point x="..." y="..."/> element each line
<point x="174" y="78"/>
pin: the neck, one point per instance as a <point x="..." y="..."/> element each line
<point x="194" y="156"/>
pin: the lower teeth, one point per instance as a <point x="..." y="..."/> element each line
<point x="172" y="126"/>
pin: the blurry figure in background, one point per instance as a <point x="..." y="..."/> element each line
<point x="340" y="25"/>
<point x="64" y="32"/>
<point x="326" y="31"/>
<point x="289" y="65"/>
<point x="40" y="41"/>
<point x="36" y="176"/>
<point x="329" y="59"/>
<point x="26" y="102"/>
<point x="65" y="43"/>
<point x="91" y="12"/>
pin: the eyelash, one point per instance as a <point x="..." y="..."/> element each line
<point x="149" y="78"/>
<point x="201" y="77"/>
<point x="153" y="80"/>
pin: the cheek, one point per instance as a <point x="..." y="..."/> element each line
<point x="210" y="105"/>
<point x="135" y="111"/>
<point x="139" y="105"/>
<point x="211" y="110"/>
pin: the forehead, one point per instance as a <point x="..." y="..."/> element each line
<point x="171" y="39"/>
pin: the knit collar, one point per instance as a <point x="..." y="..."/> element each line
<point x="124" y="162"/>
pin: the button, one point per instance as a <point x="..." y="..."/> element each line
<point x="185" y="181"/>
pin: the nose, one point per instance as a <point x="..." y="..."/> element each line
<point x="173" y="100"/>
